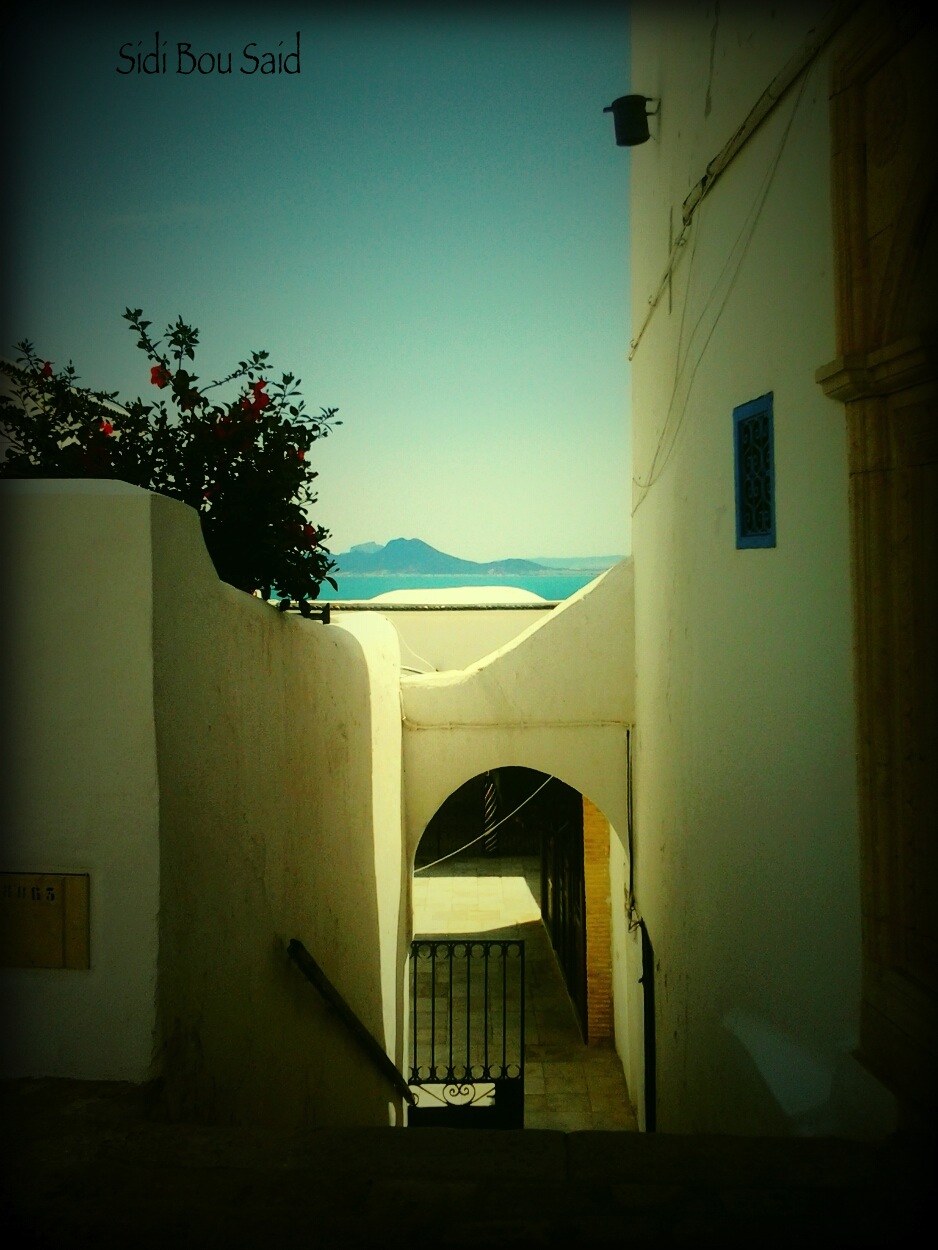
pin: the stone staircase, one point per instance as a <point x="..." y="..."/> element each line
<point x="90" y="1164"/>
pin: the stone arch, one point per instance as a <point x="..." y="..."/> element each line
<point x="570" y="836"/>
<point x="559" y="699"/>
<point x="593" y="761"/>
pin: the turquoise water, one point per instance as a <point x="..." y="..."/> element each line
<point x="548" y="586"/>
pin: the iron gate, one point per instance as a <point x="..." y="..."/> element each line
<point x="467" y="1034"/>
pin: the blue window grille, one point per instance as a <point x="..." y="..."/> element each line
<point x="753" y="442"/>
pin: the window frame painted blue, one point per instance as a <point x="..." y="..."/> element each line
<point x="763" y="405"/>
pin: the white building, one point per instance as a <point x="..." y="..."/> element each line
<point x="219" y="778"/>
<point x="782" y="229"/>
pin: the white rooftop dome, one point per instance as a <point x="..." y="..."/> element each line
<point x="461" y="594"/>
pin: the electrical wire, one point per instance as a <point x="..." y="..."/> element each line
<point x="655" y="299"/>
<point x="431" y="668"/>
<point x="667" y="440"/>
<point x="740" y="245"/>
<point x="485" y="834"/>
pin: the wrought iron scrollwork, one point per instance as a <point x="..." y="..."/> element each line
<point x="756" y="475"/>
<point x="467" y="1024"/>
<point x="461" y="1094"/>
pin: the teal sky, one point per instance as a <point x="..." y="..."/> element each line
<point x="428" y="224"/>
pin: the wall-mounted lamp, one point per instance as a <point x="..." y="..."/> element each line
<point x="631" y="119"/>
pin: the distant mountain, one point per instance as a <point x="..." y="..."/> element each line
<point x="411" y="555"/>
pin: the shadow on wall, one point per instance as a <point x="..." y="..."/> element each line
<point x="267" y="833"/>
<point x="798" y="1092"/>
<point x="210" y="764"/>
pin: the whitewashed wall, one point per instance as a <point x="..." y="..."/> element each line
<point x="231" y="768"/>
<point x="745" y="808"/>
<point x="81" y="785"/>
<point x="558" y="698"/>
<point x="455" y="638"/>
<point x="628" y="1002"/>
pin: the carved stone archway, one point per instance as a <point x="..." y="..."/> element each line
<point x="884" y="139"/>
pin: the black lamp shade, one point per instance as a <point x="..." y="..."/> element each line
<point x="630" y="119"/>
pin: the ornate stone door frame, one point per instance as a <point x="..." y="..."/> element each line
<point x="884" y="187"/>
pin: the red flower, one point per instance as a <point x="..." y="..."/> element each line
<point x="107" y="428"/>
<point x="46" y="370"/>
<point x="258" y="400"/>
<point x="159" y="376"/>
<point x="311" y="534"/>
<point x="301" y="453"/>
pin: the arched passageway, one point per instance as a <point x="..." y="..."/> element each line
<point x="516" y="853"/>
<point x="523" y="823"/>
<point x="560" y="698"/>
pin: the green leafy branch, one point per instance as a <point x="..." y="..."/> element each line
<point x="243" y="463"/>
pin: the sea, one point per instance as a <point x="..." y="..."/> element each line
<point x="550" y="586"/>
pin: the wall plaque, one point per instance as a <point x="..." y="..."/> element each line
<point x="44" y="920"/>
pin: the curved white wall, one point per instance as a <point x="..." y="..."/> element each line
<point x="558" y="698"/>
<point x="279" y="747"/>
<point x="433" y="640"/>
<point x="230" y="777"/>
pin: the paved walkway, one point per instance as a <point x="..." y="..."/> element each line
<point x="568" y="1085"/>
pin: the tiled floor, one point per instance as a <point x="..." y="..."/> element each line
<point x="568" y="1085"/>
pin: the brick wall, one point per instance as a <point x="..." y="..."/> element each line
<point x="601" y="1027"/>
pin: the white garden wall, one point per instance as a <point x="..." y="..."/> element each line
<point x="221" y="770"/>
<point x="461" y="634"/>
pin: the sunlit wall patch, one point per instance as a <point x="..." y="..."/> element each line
<point x="753" y="444"/>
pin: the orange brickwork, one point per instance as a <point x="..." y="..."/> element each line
<point x="600" y="1026"/>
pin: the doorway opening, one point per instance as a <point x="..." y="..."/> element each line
<point x="515" y="854"/>
<point x="518" y="822"/>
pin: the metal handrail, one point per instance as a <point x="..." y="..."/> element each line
<point x="376" y="1052"/>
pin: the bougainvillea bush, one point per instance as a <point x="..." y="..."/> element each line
<point x="242" y="462"/>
